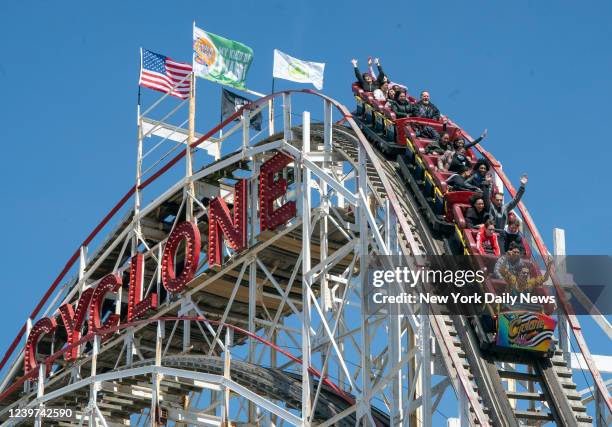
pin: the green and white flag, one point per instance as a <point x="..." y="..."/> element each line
<point x="219" y="59"/>
<point x="290" y="68"/>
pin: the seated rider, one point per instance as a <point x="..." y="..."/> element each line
<point x="522" y="282"/>
<point x="459" y="140"/>
<point x="442" y="144"/>
<point x="499" y="212"/>
<point x="386" y="78"/>
<point x="449" y="152"/>
<point x="479" y="173"/>
<point x="477" y="214"/>
<point x="365" y="80"/>
<point x="511" y="261"/>
<point x="446" y="158"/>
<point x="458" y="182"/>
<point x="391" y="95"/>
<point x="459" y="159"/>
<point x="424" y="108"/>
<point x="382" y="92"/>
<point x="486" y="239"/>
<point x="401" y="107"/>
<point x="512" y="234"/>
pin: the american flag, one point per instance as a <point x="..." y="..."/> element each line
<point x="161" y="73"/>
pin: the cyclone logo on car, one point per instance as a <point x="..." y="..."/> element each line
<point x="205" y="52"/>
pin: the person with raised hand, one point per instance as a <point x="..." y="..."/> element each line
<point x="499" y="212"/>
<point x="365" y="80"/>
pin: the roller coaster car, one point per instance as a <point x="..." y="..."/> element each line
<point x="377" y="122"/>
<point x="398" y="137"/>
<point x="524" y="328"/>
<point x="525" y="331"/>
<point x="530" y="330"/>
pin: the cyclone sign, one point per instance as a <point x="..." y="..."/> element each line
<point x="224" y="230"/>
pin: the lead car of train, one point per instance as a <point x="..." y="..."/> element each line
<point x="527" y="329"/>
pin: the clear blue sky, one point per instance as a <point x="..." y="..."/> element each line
<point x="535" y="73"/>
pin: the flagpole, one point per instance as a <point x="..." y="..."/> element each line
<point x="138" y="156"/>
<point x="189" y="188"/>
<point x="271" y="112"/>
<point x="218" y="156"/>
<point x="188" y="191"/>
<point x="138" y="166"/>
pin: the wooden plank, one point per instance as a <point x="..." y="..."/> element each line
<point x="533" y="415"/>
<point x="520" y="376"/>
<point x="525" y="395"/>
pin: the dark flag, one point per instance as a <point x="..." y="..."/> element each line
<point x="231" y="102"/>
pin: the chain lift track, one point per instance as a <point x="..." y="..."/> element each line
<point x="266" y="337"/>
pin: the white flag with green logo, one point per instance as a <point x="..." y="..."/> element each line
<point x="290" y="68"/>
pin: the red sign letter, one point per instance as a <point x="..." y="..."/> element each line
<point x="220" y="222"/>
<point x="136" y="306"/>
<point x="270" y="190"/>
<point x="73" y="322"/>
<point x="189" y="232"/>
<point x="46" y="325"/>
<point x="109" y="283"/>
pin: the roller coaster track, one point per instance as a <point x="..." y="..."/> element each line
<point x="484" y="375"/>
<point x="122" y="392"/>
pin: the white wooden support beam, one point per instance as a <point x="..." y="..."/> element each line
<point x="227" y="375"/>
<point x="363" y="406"/>
<point x="94" y="386"/>
<point x="306" y="281"/>
<point x="246" y="122"/>
<point x="252" y="326"/>
<point x="271" y="117"/>
<point x="40" y="392"/>
<point x="288" y="134"/>
<point x="564" y="327"/>
<point x="425" y="344"/>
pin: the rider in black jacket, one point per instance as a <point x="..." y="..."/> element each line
<point x="365" y="80"/>
<point x="499" y="212"/>
<point x="459" y="160"/>
<point x="457" y="181"/>
<point x="426" y="109"/>
<point x="401" y="107"/>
